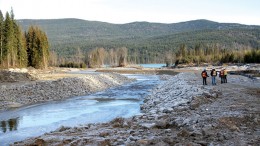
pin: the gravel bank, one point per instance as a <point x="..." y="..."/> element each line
<point x="179" y="112"/>
<point x="15" y="95"/>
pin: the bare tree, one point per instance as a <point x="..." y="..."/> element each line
<point x="170" y="57"/>
<point x="79" y="56"/>
<point x="101" y="54"/>
<point x="122" y="56"/>
<point x="53" y="61"/>
<point x="96" y="57"/>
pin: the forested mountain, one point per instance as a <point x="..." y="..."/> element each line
<point x="66" y="36"/>
<point x="69" y="28"/>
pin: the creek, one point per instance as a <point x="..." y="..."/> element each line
<point x="34" y="120"/>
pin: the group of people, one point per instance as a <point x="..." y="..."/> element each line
<point x="214" y="73"/>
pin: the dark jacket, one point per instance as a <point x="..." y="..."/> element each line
<point x="204" y="74"/>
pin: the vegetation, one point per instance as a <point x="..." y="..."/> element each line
<point x="80" y="43"/>
<point x="18" y="49"/>
<point x="114" y="57"/>
<point x="37" y="48"/>
<point x="148" y="42"/>
<point x="216" y="54"/>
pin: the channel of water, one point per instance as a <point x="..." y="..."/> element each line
<point x="123" y="101"/>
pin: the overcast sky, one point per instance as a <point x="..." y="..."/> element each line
<point x="125" y="11"/>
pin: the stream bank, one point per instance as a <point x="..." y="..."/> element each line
<point x="179" y="112"/>
<point x="13" y="95"/>
<point x="37" y="119"/>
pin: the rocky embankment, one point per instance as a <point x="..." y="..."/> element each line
<point x="30" y="92"/>
<point x="178" y="112"/>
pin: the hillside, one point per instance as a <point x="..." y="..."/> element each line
<point x="65" y="35"/>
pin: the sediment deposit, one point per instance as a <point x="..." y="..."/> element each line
<point x="30" y="92"/>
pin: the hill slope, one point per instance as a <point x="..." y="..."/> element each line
<point x="67" y="34"/>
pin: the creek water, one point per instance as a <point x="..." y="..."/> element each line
<point x="152" y="65"/>
<point x="30" y="121"/>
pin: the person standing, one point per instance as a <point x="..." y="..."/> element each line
<point x="204" y="76"/>
<point x="225" y="76"/>
<point x="213" y="76"/>
<point x="221" y="75"/>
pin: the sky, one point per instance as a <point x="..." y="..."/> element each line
<point x="126" y="11"/>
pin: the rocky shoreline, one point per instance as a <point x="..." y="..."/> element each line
<point x="178" y="112"/>
<point x="24" y="93"/>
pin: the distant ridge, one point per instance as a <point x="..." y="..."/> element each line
<point x="71" y="33"/>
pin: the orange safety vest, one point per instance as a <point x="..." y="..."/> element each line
<point x="204" y="74"/>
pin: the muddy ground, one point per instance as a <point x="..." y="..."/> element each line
<point x="226" y="114"/>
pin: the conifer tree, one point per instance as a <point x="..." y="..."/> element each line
<point x="21" y="48"/>
<point x="37" y="48"/>
<point x="8" y="41"/>
<point x="15" y="37"/>
<point x="1" y="36"/>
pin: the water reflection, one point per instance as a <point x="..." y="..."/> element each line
<point x="9" y="125"/>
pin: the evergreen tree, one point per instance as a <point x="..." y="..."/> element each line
<point x="14" y="55"/>
<point x="43" y="50"/>
<point x="8" y="41"/>
<point x="31" y="45"/>
<point x="21" y="48"/>
<point x="37" y="48"/>
<point x="1" y="36"/>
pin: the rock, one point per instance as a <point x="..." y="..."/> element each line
<point x="142" y="142"/>
<point x="196" y="134"/>
<point x="62" y="128"/>
<point x="103" y="142"/>
<point x="132" y="138"/>
<point x="168" y="110"/>
<point x="148" y="125"/>
<point x="161" y="143"/>
<point x="39" y="142"/>
<point x="104" y="134"/>
<point x="183" y="133"/>
<point x="162" y="123"/>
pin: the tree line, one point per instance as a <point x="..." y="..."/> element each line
<point x="200" y="53"/>
<point x="22" y="49"/>
<point x="95" y="58"/>
<point x="216" y="54"/>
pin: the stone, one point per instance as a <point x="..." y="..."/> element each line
<point x="148" y="125"/>
<point x="142" y="142"/>
<point x="62" y="128"/>
<point x="183" y="133"/>
<point x="162" y="123"/>
<point x="104" y="134"/>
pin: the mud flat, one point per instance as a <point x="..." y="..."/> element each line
<point x="178" y="112"/>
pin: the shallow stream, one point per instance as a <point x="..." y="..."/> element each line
<point x="123" y="101"/>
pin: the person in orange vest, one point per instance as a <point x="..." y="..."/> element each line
<point x="221" y="75"/>
<point x="213" y="76"/>
<point x="225" y="76"/>
<point x="204" y="76"/>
